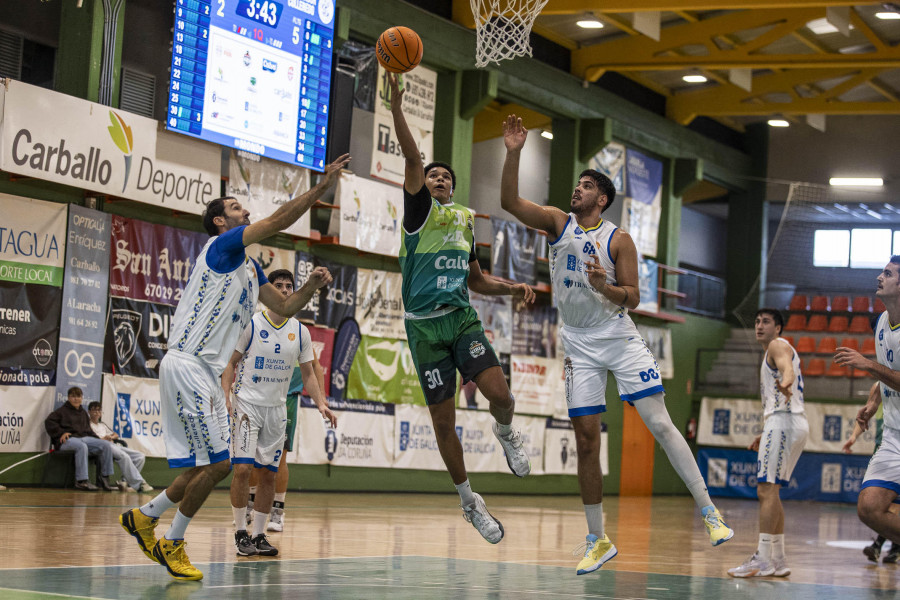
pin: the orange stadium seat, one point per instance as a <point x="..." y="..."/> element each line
<point x="836" y="370"/>
<point x="840" y="304"/>
<point x="796" y="323"/>
<point x="868" y="347"/>
<point x="798" y="302"/>
<point x="838" y="324"/>
<point x="879" y="306"/>
<point x="827" y="345"/>
<point x="860" y="324"/>
<point x="819" y="303"/>
<point x="806" y="345"/>
<point x="815" y="368"/>
<point x="789" y="339"/>
<point x="862" y="304"/>
<point x="849" y="342"/>
<point x="817" y="323"/>
<point x="860" y="374"/>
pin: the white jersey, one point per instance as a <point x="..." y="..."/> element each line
<point x="270" y="353"/>
<point x="216" y="306"/>
<point x="579" y="304"/>
<point x="772" y="399"/>
<point x="887" y="348"/>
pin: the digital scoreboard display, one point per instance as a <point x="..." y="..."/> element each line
<point x="254" y="75"/>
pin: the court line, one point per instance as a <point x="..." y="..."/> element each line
<point x="54" y="594"/>
<point x="553" y="593"/>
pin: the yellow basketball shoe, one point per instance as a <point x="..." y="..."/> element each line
<point x="141" y="527"/>
<point x="171" y="554"/>
<point x="718" y="531"/>
<point x="596" y="552"/>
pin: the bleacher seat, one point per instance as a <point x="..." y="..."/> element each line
<point x="838" y="324"/>
<point x="849" y="342"/>
<point x="836" y="370"/>
<point x="878" y="307"/>
<point x="806" y="345"/>
<point x="819" y="303"/>
<point x="840" y="304"/>
<point x="815" y="367"/>
<point x="798" y="302"/>
<point x="817" y="323"/>
<point x="827" y="345"/>
<point x="868" y="347"/>
<point x="860" y="374"/>
<point x="796" y="323"/>
<point x="860" y="324"/>
<point x="789" y="339"/>
<point x="862" y="304"/>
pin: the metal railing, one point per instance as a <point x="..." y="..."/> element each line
<point x="703" y="294"/>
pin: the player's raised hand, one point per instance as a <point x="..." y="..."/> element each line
<point x="320" y="277"/>
<point x="514" y="133"/>
<point x="524" y="292"/>
<point x="333" y="171"/>
<point x="596" y="274"/>
<point x="396" y="91"/>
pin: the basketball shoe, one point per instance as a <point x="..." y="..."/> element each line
<point x="171" y="554"/>
<point x="477" y="514"/>
<point x="141" y="527"/>
<point x="516" y="457"/>
<point x="754" y="567"/>
<point x="276" y="519"/>
<point x="596" y="552"/>
<point x="781" y="568"/>
<point x="718" y="531"/>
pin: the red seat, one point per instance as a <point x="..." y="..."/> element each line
<point x="860" y="374"/>
<point x="852" y="343"/>
<point x="827" y="345"/>
<point x="819" y="303"/>
<point x="836" y="370"/>
<point x="860" y="324"/>
<point x="789" y="339"/>
<point x="796" y="323"/>
<point x="838" y="324"/>
<point x="862" y="304"/>
<point x="840" y="304"/>
<point x="806" y="345"/>
<point x="868" y="347"/>
<point x="879" y="306"/>
<point x="799" y="302"/>
<point x="817" y="323"/>
<point x="815" y="368"/>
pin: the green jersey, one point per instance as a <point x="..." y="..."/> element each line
<point x="434" y="258"/>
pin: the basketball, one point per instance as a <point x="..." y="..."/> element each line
<point x="399" y="49"/>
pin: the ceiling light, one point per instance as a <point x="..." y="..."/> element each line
<point x="778" y="123"/>
<point x="547" y="134"/>
<point x="888" y="16"/>
<point x="694" y="78"/>
<point x="822" y="26"/>
<point x="857" y="181"/>
<point x="590" y="24"/>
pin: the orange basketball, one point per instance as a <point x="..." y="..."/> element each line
<point x="399" y="49"/>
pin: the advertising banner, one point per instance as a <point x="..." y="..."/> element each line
<point x="538" y="385"/>
<point x="379" y="310"/>
<point x="535" y="328"/>
<point x="137" y="337"/>
<point x="271" y="258"/>
<point x="61" y="138"/>
<point x="22" y="414"/>
<point x="303" y="269"/>
<point x="323" y="347"/>
<point x="132" y="407"/>
<point x="532" y="430"/>
<point x="32" y="241"/>
<point x="496" y="316"/>
<point x="83" y="317"/>
<point x="642" y="207"/>
<point x="370" y="215"/>
<point x="262" y="185"/>
<point x="384" y="371"/>
<point x="420" y="87"/>
<point x="29" y="323"/>
<point x="560" y="453"/>
<point x="337" y="301"/>
<point x="513" y="251"/>
<point x="820" y="477"/>
<point x="648" y="284"/>
<point x="346" y="343"/>
<point x="151" y="262"/>
<point x="659" y="340"/>
<point x="364" y="436"/>
<point x="611" y="162"/>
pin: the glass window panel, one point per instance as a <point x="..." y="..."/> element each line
<point x="831" y="248"/>
<point x="870" y="248"/>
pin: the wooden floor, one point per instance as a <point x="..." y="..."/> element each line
<point x="69" y="544"/>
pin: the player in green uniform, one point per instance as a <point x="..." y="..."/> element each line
<point x="438" y="262"/>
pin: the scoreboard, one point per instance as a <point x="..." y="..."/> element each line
<point x="254" y="75"/>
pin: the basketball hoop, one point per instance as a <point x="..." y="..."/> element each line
<point x="503" y="28"/>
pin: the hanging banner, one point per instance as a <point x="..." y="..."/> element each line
<point x="337" y="300"/>
<point x="384" y="371"/>
<point x="271" y="258"/>
<point x="370" y="215"/>
<point x="29" y="322"/>
<point x="534" y="331"/>
<point x="379" y="309"/>
<point x="262" y="185"/>
<point x="346" y="343"/>
<point x="513" y="251"/>
<point x="151" y="262"/>
<point x="415" y="446"/>
<point x="648" y="284"/>
<point x="137" y="337"/>
<point x="420" y="86"/>
<point x="611" y="162"/>
<point x="538" y="385"/>
<point x="133" y="407"/>
<point x="23" y="411"/>
<point x="32" y="241"/>
<point x="83" y="317"/>
<point x="642" y="207"/>
<point x="303" y="269"/>
<point x="364" y="436"/>
<point x="659" y="340"/>
<point x="496" y="316"/>
<point x="323" y="347"/>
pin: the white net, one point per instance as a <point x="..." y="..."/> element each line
<point x="503" y="28"/>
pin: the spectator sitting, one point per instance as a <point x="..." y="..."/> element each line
<point x="69" y="428"/>
<point x="130" y="461"/>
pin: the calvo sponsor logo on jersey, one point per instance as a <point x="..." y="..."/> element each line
<point x="451" y="262"/>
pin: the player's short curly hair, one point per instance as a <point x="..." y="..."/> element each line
<point x="215" y="208"/>
<point x="435" y="164"/>
<point x="280" y="274"/>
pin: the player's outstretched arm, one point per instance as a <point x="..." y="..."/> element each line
<point x="271" y="297"/>
<point x="315" y="392"/>
<point x="292" y="210"/>
<point x="546" y="218"/>
<point x="414" y="176"/>
<point x="849" y="357"/>
<point x="491" y="286"/>
<point x="782" y="355"/>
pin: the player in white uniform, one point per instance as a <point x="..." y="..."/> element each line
<point x="264" y="358"/>
<point x="217" y="303"/>
<point x="779" y="445"/>
<point x="881" y="484"/>
<point x="594" y="272"/>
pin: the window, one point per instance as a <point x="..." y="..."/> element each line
<point x="831" y="248"/>
<point x="869" y="248"/>
<point x="855" y="248"/>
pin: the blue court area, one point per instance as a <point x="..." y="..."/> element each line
<point x="397" y="578"/>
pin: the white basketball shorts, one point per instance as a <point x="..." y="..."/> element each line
<point x="258" y="435"/>
<point x="884" y="468"/>
<point x="195" y="420"/>
<point x="589" y="355"/>
<point x="783" y="439"/>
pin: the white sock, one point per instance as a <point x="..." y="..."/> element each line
<point x="504" y="430"/>
<point x="594" y="514"/>
<point x="778" y="546"/>
<point x="466" y="496"/>
<point x="240" y="517"/>
<point x="765" y="546"/>
<point x="156" y="507"/>
<point x="280" y="497"/>
<point x="259" y="522"/>
<point x="178" y="527"/>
